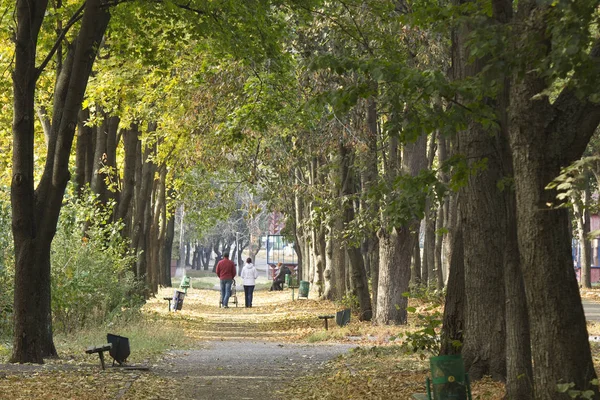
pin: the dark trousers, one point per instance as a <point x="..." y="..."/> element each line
<point x="248" y="292"/>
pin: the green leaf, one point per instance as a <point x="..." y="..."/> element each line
<point x="564" y="387"/>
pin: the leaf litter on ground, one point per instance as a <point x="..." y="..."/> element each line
<point x="381" y="367"/>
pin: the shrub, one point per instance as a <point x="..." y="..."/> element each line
<point x="92" y="278"/>
<point x="7" y="268"/>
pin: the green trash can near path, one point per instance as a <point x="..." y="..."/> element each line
<point x="303" y="289"/>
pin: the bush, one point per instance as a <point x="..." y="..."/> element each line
<point x="92" y="276"/>
<point x="7" y="263"/>
<point x="350" y="300"/>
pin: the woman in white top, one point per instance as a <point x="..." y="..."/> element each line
<point x="249" y="275"/>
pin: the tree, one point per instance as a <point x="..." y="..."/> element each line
<point x="35" y="212"/>
<point x="546" y="136"/>
<point x="545" y="133"/>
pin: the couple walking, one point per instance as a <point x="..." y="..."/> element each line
<point x="226" y="272"/>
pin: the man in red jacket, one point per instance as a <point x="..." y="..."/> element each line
<point x="226" y="272"/>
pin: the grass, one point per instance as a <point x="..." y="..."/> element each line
<point x="149" y="335"/>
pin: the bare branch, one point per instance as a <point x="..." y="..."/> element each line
<point x="76" y="17"/>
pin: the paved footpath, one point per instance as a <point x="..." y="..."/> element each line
<point x="242" y="370"/>
<point x="236" y="358"/>
<point x="592" y="310"/>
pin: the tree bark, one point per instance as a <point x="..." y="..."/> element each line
<point x="454" y="318"/>
<point x="545" y="137"/>
<point x="143" y="198"/>
<point x="483" y="212"/>
<point x="370" y="177"/>
<point x="112" y="141"/>
<point x="84" y="142"/>
<point x="28" y="321"/>
<point x="35" y="214"/>
<point x="561" y="351"/>
<point x="359" y="283"/>
<point x="327" y="272"/>
<point x="441" y="216"/>
<point x="338" y="263"/>
<point x="299" y="245"/>
<point x="168" y="253"/>
<point x="519" y="370"/>
<point x="418" y="264"/>
<point x="582" y="220"/>
<point x="98" y="184"/>
<point x="395" y="251"/>
<point x="130" y="145"/>
<point x="396" y="243"/>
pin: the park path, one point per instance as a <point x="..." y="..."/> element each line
<point x="237" y="359"/>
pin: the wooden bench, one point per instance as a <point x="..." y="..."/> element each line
<point x="326" y="318"/>
<point x="100" y="350"/>
<point x="168" y="298"/>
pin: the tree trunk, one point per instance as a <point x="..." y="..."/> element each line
<point x="111" y="174"/>
<point x="35" y="214"/>
<point x="130" y="145"/>
<point x="441" y="217"/>
<point x="217" y="251"/>
<point x="429" y="243"/>
<point x="143" y="198"/>
<point x="586" y="274"/>
<point x="396" y="243"/>
<point x="98" y="184"/>
<point x="545" y="137"/>
<point x="370" y="177"/>
<point x="359" y="283"/>
<point x="582" y="219"/>
<point x="418" y="264"/>
<point x="299" y="244"/>
<point x="328" y="271"/>
<point x="454" y="317"/>
<point x="157" y="229"/>
<point x="428" y="268"/>
<point x="319" y="238"/>
<point x="519" y="371"/>
<point x="84" y="143"/>
<point x="484" y="216"/>
<point x="561" y="351"/>
<point x="395" y="251"/>
<point x="168" y="254"/>
<point x="338" y="264"/>
<point x="484" y="221"/>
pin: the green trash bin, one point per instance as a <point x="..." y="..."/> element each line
<point x="448" y="378"/>
<point x="303" y="289"/>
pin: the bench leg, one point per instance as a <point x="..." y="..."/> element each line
<point x="101" y="354"/>
<point x="326" y="327"/>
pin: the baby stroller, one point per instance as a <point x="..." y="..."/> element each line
<point x="233" y="298"/>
